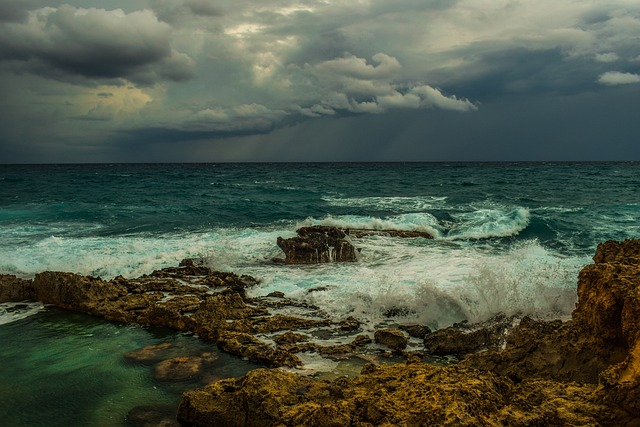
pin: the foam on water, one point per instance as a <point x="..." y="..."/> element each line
<point x="434" y="283"/>
<point x="411" y="222"/>
<point x="488" y="223"/>
<point x="13" y="311"/>
<point x="394" y="204"/>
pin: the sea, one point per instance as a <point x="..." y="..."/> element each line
<point x="508" y="238"/>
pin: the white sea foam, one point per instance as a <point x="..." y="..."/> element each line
<point x="394" y="204"/>
<point x="488" y="223"/>
<point x="411" y="222"/>
<point x="13" y="311"/>
<point x="437" y="282"/>
<point x="434" y="282"/>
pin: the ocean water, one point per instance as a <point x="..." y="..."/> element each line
<point x="509" y="237"/>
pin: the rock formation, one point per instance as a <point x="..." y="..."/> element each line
<point x="582" y="372"/>
<point x="520" y="372"/>
<point x="317" y="244"/>
<point x="192" y="298"/>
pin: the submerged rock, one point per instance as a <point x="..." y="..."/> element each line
<point x="183" y="368"/>
<point x="317" y="244"/>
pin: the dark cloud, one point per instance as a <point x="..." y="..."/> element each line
<point x="15" y="10"/>
<point x="94" y="44"/>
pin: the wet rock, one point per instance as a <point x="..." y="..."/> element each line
<point x="283" y="323"/>
<point x="150" y="353"/>
<point x="276" y="294"/>
<point x="361" y="340"/>
<point x="152" y="416"/>
<point x="464" y="338"/>
<point x="14" y="289"/>
<point x="409" y="395"/>
<point x="416" y="331"/>
<point x="183" y="368"/>
<point x="349" y="324"/>
<point x="251" y="348"/>
<point x="317" y="244"/>
<point x="290" y="338"/>
<point x="392" y="338"/>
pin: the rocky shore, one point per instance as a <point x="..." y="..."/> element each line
<point x="510" y="371"/>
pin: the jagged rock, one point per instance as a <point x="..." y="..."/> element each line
<point x="290" y="338"/>
<point x="246" y="345"/>
<point x="349" y="324"/>
<point x="317" y="244"/>
<point x="392" y="338"/>
<point x="405" y="395"/>
<point x="14" y="289"/>
<point x="416" y="331"/>
<point x="464" y="338"/>
<point x="276" y="294"/>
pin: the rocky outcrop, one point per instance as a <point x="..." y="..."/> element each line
<point x="529" y="373"/>
<point x="392" y="338"/>
<point x="193" y="298"/>
<point x="415" y="394"/>
<point x="317" y="244"/>
<point x="464" y="338"/>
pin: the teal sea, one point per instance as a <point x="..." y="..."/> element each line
<point x="509" y="237"/>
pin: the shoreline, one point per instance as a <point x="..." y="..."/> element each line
<point x="599" y="355"/>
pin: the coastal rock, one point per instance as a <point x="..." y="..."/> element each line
<point x="464" y="338"/>
<point x="317" y="244"/>
<point x="14" y="289"/>
<point x="529" y="373"/>
<point x="405" y="395"/>
<point x="392" y="338"/>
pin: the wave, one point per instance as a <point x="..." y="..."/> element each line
<point x="489" y="223"/>
<point x="13" y="311"/>
<point x="436" y="285"/>
<point x="393" y="204"/>
<point x="406" y="222"/>
<point x="474" y="225"/>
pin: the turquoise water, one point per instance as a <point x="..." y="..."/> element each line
<point x="509" y="237"/>
<point x="69" y="369"/>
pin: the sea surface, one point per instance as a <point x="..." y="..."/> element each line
<point x="508" y="237"/>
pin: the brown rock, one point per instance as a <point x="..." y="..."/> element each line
<point x="149" y="354"/>
<point x="14" y="289"/>
<point x="183" y="368"/>
<point x="410" y="395"/>
<point x="392" y="338"/>
<point x="317" y="244"/>
<point x="464" y="338"/>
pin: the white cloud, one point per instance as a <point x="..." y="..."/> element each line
<point x="614" y="78"/>
<point x="607" y="57"/>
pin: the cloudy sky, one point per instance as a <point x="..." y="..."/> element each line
<point x="319" y="80"/>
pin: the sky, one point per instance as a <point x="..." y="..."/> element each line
<point x="319" y="80"/>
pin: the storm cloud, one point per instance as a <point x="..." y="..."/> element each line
<point x="307" y="80"/>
